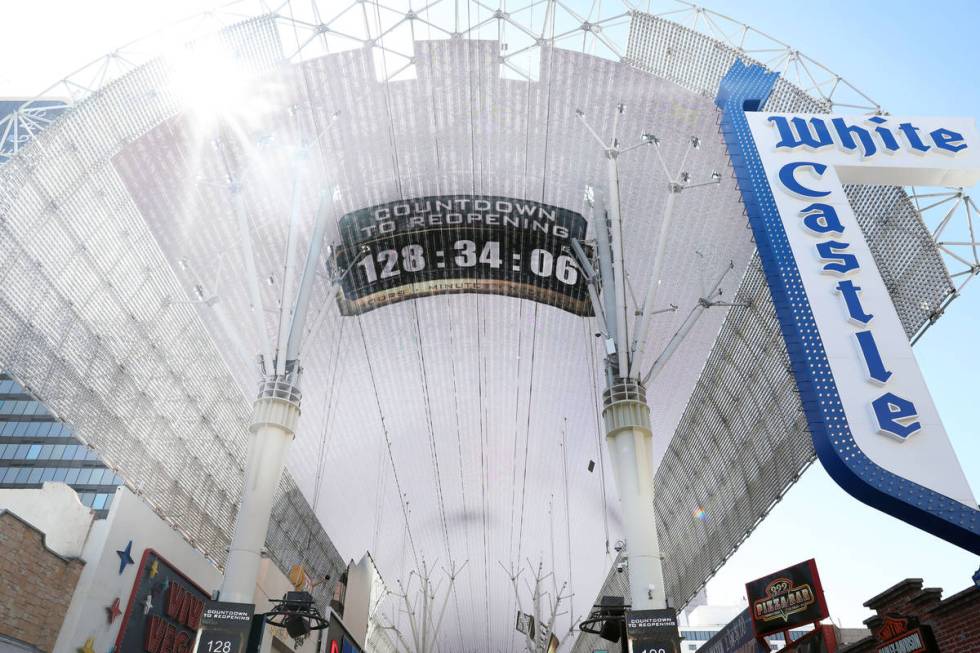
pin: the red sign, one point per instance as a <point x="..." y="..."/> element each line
<point x="786" y="599"/>
<point x="164" y="610"/>
<point x="904" y="635"/>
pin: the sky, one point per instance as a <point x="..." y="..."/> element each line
<point x="911" y="61"/>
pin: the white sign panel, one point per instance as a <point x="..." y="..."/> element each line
<point x="806" y="158"/>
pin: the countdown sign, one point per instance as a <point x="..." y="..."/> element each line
<point x="225" y="627"/>
<point x="653" y="631"/>
<point x="874" y="425"/>
<point x="459" y="244"/>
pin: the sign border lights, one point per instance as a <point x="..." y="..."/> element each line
<point x="873" y="422"/>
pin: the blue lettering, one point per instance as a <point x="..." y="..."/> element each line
<point x="845" y="131"/>
<point x="895" y="415"/>
<point x="828" y="251"/>
<point x="787" y="175"/>
<point x="872" y="357"/>
<point x="911" y="133"/>
<point x="854" y="309"/>
<point x="885" y="134"/>
<point x="820" y="137"/>
<point x="947" y="139"/>
<point x="822" y="219"/>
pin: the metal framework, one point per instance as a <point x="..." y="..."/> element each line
<point x="98" y="322"/>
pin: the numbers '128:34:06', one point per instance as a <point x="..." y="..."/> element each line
<point x="412" y="258"/>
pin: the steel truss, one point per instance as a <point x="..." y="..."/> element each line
<point x="679" y="41"/>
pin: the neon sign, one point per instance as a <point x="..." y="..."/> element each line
<point x="874" y="425"/>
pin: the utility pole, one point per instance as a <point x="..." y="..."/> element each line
<point x="626" y="413"/>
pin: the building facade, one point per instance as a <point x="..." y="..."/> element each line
<point x="910" y="617"/>
<point x="35" y="447"/>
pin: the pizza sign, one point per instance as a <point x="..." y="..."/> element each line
<point x="786" y="599"/>
<point x="783" y="599"/>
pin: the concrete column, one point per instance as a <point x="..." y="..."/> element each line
<point x="630" y="441"/>
<point x="274" y="417"/>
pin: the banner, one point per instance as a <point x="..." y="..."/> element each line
<point x="736" y="637"/>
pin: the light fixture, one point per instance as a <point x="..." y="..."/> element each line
<point x="297" y="613"/>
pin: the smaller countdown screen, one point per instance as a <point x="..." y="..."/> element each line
<point x="460" y="244"/>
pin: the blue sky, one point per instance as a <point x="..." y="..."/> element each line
<point x="913" y="60"/>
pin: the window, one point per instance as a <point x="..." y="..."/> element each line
<point x="22" y="474"/>
<point x="47" y="474"/>
<point x="35" y="475"/>
<point x="72" y="476"/>
<point x="60" y="473"/>
<point x="99" y="502"/>
<point x="46" y="452"/>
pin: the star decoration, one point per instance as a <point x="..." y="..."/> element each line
<point x="113" y="610"/>
<point x="88" y="647"/>
<point x="125" y="557"/>
<point x="154" y="569"/>
<point x="147" y="604"/>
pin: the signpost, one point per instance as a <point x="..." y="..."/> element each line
<point x="225" y="627"/>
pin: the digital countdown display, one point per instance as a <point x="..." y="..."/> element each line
<point x="459" y="244"/>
